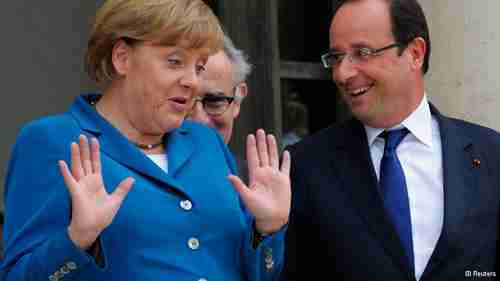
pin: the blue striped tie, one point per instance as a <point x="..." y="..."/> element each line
<point x="395" y="195"/>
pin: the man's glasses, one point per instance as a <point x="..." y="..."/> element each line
<point x="333" y="59"/>
<point x="214" y="104"/>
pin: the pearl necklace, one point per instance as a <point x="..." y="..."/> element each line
<point x="147" y="146"/>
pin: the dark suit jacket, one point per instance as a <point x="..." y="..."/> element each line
<point x="338" y="229"/>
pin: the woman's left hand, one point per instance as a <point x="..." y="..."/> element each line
<point x="268" y="195"/>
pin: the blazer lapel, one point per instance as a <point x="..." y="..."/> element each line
<point x="117" y="146"/>
<point x="122" y="151"/>
<point x="459" y="183"/>
<point x="352" y="158"/>
<point x="179" y="149"/>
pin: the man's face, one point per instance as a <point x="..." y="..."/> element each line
<point x="218" y="80"/>
<point x="383" y="89"/>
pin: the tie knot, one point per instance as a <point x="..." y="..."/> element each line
<point x="393" y="138"/>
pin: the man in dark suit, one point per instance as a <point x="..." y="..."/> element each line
<point x="400" y="192"/>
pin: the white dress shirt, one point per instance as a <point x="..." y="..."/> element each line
<point x="421" y="158"/>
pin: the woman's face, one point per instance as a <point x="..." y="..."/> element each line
<point x="159" y="84"/>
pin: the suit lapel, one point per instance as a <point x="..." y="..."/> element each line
<point x="358" y="179"/>
<point x="357" y="175"/>
<point x="459" y="182"/>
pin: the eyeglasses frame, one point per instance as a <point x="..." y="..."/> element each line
<point x="229" y="100"/>
<point x="365" y="53"/>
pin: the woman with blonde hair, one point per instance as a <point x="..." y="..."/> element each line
<point x="121" y="187"/>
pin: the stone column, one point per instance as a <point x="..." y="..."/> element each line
<point x="464" y="77"/>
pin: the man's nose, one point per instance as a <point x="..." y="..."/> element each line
<point x="345" y="70"/>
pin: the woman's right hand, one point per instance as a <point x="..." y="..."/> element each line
<point x="92" y="207"/>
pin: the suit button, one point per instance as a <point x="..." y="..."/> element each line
<point x="269" y="265"/>
<point x="71" y="265"/>
<point x="268" y="259"/>
<point x="64" y="269"/>
<point x="58" y="275"/>
<point x="193" y="243"/>
<point x="53" y="278"/>
<point x="186" y="205"/>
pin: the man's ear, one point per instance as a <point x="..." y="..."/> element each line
<point x="240" y="93"/>
<point x="417" y="49"/>
<point x="120" y="56"/>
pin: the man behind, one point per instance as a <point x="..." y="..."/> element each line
<point x="399" y="192"/>
<point x="223" y="89"/>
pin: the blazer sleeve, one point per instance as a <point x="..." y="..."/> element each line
<point x="38" y="210"/>
<point x="266" y="261"/>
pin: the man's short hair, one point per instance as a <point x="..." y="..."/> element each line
<point x="241" y="68"/>
<point x="408" y="22"/>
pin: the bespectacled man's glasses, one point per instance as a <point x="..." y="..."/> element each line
<point x="216" y="103"/>
<point x="333" y="59"/>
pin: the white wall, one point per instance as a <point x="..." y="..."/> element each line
<point x="464" y="76"/>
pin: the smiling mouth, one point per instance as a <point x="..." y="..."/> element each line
<point x="360" y="91"/>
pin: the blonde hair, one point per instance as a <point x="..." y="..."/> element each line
<point x="164" y="22"/>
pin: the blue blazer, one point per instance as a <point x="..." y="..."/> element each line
<point x="337" y="213"/>
<point x="154" y="235"/>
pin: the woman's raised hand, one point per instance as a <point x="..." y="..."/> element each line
<point x="268" y="194"/>
<point x="92" y="207"/>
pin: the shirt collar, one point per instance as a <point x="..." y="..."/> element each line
<point x="419" y="123"/>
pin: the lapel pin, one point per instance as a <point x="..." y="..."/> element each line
<point x="476" y="163"/>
